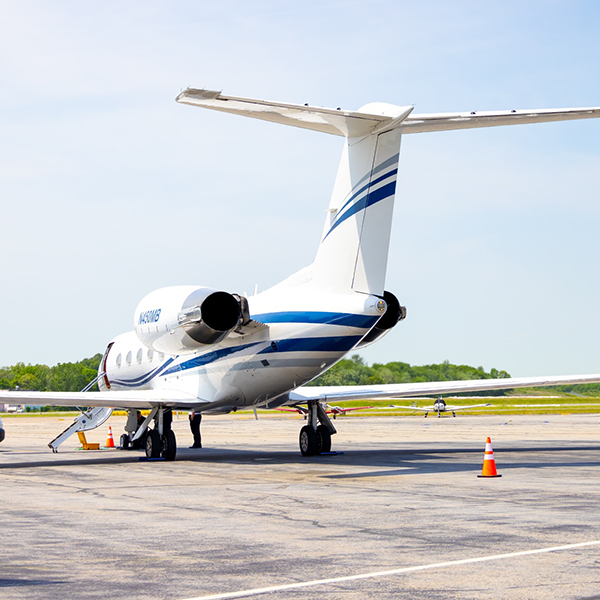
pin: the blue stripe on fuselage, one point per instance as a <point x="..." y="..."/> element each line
<point x="314" y="344"/>
<point x="308" y="344"/>
<point x="143" y="379"/>
<point x="327" y="318"/>
<point x="209" y="357"/>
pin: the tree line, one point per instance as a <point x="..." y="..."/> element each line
<point x="354" y="371"/>
<point x="73" y="377"/>
<point x="63" y="377"/>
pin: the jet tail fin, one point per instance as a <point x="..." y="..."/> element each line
<point x="352" y="256"/>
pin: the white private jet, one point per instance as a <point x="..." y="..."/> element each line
<point x="197" y="348"/>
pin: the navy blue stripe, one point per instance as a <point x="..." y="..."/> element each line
<point x="373" y="198"/>
<point x="316" y="344"/>
<point x="151" y="373"/>
<point x="329" y="318"/>
<point x="143" y="379"/>
<point x="209" y="357"/>
<point x="366" y="187"/>
<point x="384" y="165"/>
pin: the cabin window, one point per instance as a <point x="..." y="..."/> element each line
<point x="128" y="358"/>
<point x="161" y="356"/>
<point x="119" y="359"/>
<point x="139" y="356"/>
<point x="150" y="354"/>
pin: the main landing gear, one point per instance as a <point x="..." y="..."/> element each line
<point x="315" y="437"/>
<point x="159" y="441"/>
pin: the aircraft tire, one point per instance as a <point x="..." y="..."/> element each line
<point x="323" y="439"/>
<point x="124" y="442"/>
<point x="153" y="445"/>
<point x="308" y="441"/>
<point x="169" y="445"/>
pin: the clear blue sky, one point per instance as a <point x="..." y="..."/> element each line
<point x="109" y="189"/>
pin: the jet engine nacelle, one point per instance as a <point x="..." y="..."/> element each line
<point x="181" y="319"/>
<point x="394" y="313"/>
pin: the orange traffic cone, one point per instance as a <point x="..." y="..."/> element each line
<point x="110" y="442"/>
<point x="489" y="464"/>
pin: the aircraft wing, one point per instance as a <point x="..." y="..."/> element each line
<point x="455" y="408"/>
<point x="339" y="409"/>
<point x="422" y="408"/>
<point x="449" y="408"/>
<point x="407" y="390"/>
<point x="133" y="399"/>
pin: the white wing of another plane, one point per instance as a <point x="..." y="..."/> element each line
<point x="407" y="390"/>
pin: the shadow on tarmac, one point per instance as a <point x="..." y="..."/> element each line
<point x="388" y="462"/>
<point x="26" y="582"/>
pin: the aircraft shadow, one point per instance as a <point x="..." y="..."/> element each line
<point x="385" y="462"/>
<point x="5" y="582"/>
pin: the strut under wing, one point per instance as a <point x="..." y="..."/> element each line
<point x="408" y="390"/>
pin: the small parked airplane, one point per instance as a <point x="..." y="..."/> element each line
<point x="196" y="348"/>
<point x="330" y="410"/>
<point x="439" y="406"/>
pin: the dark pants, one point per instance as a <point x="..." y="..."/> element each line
<point x="167" y="419"/>
<point x="195" y="427"/>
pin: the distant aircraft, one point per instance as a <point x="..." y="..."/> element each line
<point x="330" y="410"/>
<point x="197" y="348"/>
<point x="439" y="406"/>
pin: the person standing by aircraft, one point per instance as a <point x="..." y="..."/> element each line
<point x="1" y="430"/>
<point x="195" y="420"/>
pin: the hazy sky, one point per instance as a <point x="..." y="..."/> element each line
<point x="109" y="189"/>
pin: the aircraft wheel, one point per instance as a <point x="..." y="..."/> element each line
<point x="323" y="439"/>
<point x="153" y="445"/>
<point x="169" y="445"/>
<point x="308" y="441"/>
<point x="124" y="442"/>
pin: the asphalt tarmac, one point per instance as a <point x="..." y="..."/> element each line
<point x="248" y="511"/>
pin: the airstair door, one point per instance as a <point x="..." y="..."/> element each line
<point x="84" y="422"/>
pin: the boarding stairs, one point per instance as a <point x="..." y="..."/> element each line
<point x="90" y="419"/>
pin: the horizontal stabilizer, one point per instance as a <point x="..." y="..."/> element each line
<point x="408" y="390"/>
<point x="374" y="117"/>
<point x="327" y="120"/>
<point x="471" y="120"/>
